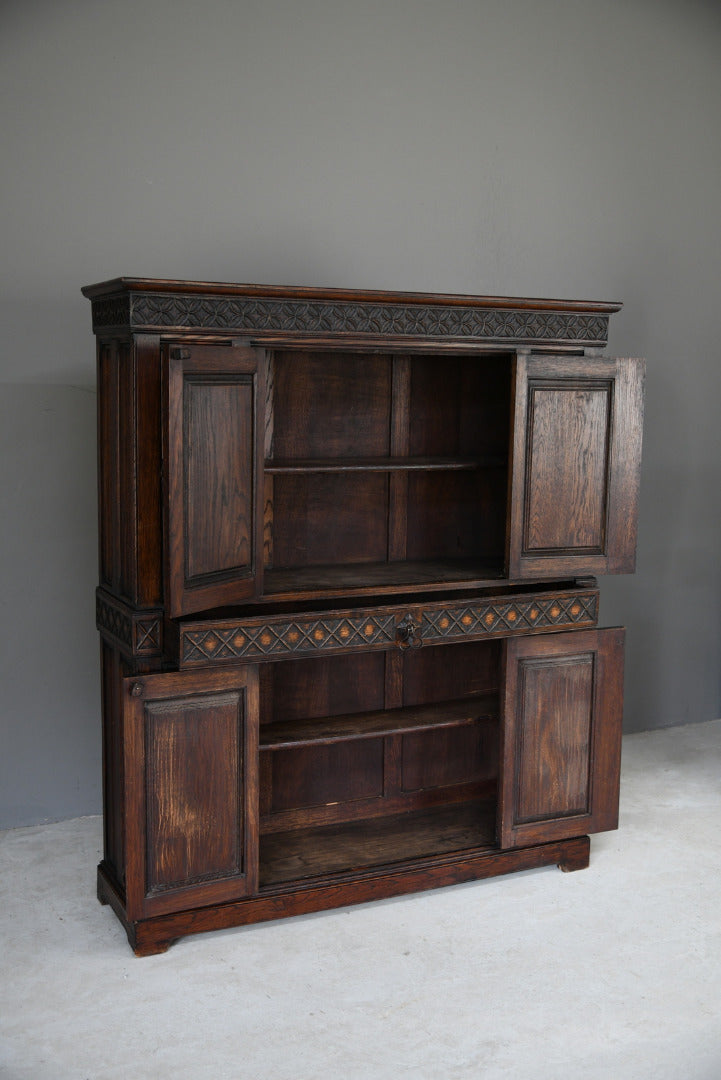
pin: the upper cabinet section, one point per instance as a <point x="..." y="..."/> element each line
<point x="299" y="445"/>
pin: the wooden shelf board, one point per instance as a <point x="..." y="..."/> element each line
<point x="335" y="849"/>
<point x="376" y="578"/>
<point x="389" y="464"/>
<point x="367" y="725"/>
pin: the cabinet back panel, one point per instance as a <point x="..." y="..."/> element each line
<point x="331" y="405"/>
<point x="318" y="775"/>
<point x="456" y="515"/>
<point x="460" y="406"/>
<point x="322" y="518"/>
<point x="447" y="672"/>
<point x="448" y="756"/>
<point x="326" y="686"/>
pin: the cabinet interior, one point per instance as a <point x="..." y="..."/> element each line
<point x="377" y="757"/>
<point x="384" y="470"/>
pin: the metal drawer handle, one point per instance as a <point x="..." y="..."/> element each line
<point x="407" y="631"/>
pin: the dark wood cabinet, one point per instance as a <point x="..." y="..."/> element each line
<point x="349" y="628"/>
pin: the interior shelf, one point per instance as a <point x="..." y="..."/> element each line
<point x="386" y="577"/>
<point x="383" y="464"/>
<point x="374" y="724"/>
<point x="308" y="853"/>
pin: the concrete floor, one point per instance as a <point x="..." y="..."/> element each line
<point x="611" y="973"/>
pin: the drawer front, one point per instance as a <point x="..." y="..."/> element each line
<point x="275" y="637"/>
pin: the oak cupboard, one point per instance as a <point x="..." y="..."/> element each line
<point x="348" y="603"/>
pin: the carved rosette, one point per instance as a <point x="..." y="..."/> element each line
<point x="265" y="315"/>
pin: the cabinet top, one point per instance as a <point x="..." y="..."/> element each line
<point x="297" y="314"/>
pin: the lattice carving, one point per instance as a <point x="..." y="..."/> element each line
<point x="137" y="634"/>
<point x="252" y="314"/>
<point x="298" y="637"/>
<point x="111" y="311"/>
<point x="509" y="616"/>
<point x="277" y="638"/>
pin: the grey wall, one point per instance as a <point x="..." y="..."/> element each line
<point x="570" y="148"/>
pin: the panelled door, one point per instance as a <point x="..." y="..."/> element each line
<point x="562" y="717"/>
<point x="213" y="466"/>
<point x="576" y="463"/>
<point x="191" y="789"/>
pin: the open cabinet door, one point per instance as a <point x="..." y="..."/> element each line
<point x="576" y="464"/>
<point x="213" y="490"/>
<point x="562" y="719"/>
<point x="191" y="789"/>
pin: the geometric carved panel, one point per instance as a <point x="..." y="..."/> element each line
<point x="268" y="314"/>
<point x="276" y="637"/>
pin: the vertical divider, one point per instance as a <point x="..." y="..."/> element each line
<point x="392" y="744"/>
<point x="268" y="456"/>
<point x="399" y="444"/>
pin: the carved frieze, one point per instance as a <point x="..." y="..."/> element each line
<point x="275" y="638"/>
<point x="266" y="315"/>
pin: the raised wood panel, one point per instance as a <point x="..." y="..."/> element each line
<point x="215" y="436"/>
<point x="567" y="468"/>
<point x="554" y="747"/>
<point x="562" y="719"/>
<point x="218" y="450"/>
<point x="194" y="762"/>
<point x="191" y="788"/>
<point x="576" y="453"/>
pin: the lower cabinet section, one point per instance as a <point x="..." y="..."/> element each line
<point x="262" y="790"/>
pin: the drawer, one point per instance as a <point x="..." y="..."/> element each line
<point x="275" y="637"/>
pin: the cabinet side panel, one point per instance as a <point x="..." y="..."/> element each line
<point x="568" y="434"/>
<point x="113" y="766"/>
<point x="127" y="490"/>
<point x="194" y="806"/>
<point x="148" y="455"/>
<point x="553" y="754"/>
<point x="108" y="491"/>
<point x="219" y="491"/>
